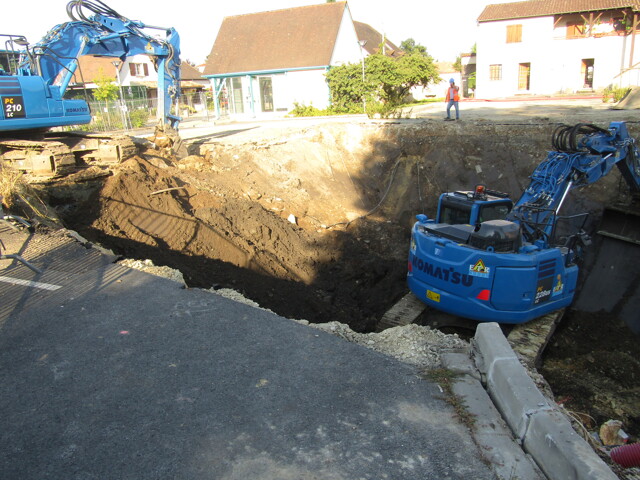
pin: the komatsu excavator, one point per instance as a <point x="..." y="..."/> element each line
<point x="34" y="80"/>
<point x="486" y="258"/>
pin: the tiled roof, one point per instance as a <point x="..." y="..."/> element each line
<point x="189" y="72"/>
<point x="90" y="68"/>
<point x="278" y="39"/>
<point x="373" y="39"/>
<point x="543" y="8"/>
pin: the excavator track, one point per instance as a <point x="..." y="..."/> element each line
<point x="406" y="311"/>
<point x="60" y="154"/>
<point x="530" y="339"/>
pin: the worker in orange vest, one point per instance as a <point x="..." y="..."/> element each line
<point x="452" y="97"/>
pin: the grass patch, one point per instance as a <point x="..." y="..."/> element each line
<point x="445" y="379"/>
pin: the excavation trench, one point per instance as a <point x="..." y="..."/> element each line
<point x="314" y="224"/>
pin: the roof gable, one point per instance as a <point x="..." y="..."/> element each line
<point x="278" y="39"/>
<point x="373" y="40"/>
<point x="189" y="72"/>
<point x="543" y="8"/>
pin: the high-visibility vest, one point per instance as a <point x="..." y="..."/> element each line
<point x="456" y="95"/>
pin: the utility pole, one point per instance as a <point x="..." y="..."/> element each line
<point x="125" y="119"/>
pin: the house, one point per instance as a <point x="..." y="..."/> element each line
<point x="136" y="76"/>
<point x="263" y="63"/>
<point x="556" y="46"/>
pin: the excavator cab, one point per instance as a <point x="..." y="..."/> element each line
<point x="473" y="207"/>
<point x="9" y="53"/>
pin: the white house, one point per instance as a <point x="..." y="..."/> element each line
<point x="138" y="78"/>
<point x="262" y="63"/>
<point x="551" y="47"/>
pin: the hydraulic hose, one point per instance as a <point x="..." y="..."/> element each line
<point x="565" y="138"/>
<point x="95" y="6"/>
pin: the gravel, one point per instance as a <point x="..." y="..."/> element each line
<point x="413" y="344"/>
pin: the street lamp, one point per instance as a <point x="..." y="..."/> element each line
<point x="116" y="63"/>
<point x="362" y="43"/>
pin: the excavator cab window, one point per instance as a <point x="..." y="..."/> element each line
<point x="455" y="214"/>
<point x="9" y="54"/>
<point x="494" y="211"/>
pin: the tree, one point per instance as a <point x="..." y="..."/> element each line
<point x="410" y="46"/>
<point x="386" y="79"/>
<point x="457" y="65"/>
<point x="107" y="90"/>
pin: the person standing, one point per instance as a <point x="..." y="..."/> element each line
<point x="452" y="98"/>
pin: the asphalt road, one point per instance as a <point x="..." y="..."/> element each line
<point x="117" y="374"/>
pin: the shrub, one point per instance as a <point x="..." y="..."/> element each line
<point x="138" y="118"/>
<point x="615" y="93"/>
<point x="308" y="111"/>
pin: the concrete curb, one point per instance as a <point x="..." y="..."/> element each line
<point x="543" y="431"/>
<point x="490" y="432"/>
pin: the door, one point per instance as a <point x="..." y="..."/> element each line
<point x="587" y="72"/>
<point x="524" y="76"/>
<point x="266" y="94"/>
<point x="238" y="103"/>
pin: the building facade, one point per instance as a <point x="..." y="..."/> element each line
<point x="549" y="47"/>
<point x="262" y="64"/>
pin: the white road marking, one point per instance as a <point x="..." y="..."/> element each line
<point x="29" y="283"/>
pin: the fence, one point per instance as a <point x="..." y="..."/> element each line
<point x="130" y="114"/>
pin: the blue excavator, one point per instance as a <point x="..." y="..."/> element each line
<point x="34" y="80"/>
<point x="489" y="259"/>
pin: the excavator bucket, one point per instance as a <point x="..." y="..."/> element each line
<point x="621" y="224"/>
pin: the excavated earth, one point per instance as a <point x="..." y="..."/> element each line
<point x="313" y="223"/>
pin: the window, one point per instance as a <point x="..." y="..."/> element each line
<point x="495" y="72"/>
<point x="514" y="33"/>
<point x="266" y="94"/>
<point x="139" y="69"/>
<point x="493" y="211"/>
<point x="236" y="92"/>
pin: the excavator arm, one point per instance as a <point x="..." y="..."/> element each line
<point x="582" y="155"/>
<point x="32" y="93"/>
<point x="106" y="33"/>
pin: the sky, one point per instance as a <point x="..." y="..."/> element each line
<point x="445" y="28"/>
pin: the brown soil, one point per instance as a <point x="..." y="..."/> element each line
<point x="315" y="224"/>
<point x="206" y="226"/>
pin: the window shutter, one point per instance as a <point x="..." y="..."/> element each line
<point x="132" y="69"/>
<point x="514" y="33"/>
<point x="146" y="70"/>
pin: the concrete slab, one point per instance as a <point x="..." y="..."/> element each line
<point x="120" y="374"/>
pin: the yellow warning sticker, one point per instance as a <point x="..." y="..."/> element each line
<point x="433" y="296"/>
<point x="479" y="269"/>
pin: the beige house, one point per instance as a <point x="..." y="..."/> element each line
<point x="261" y="64"/>
<point x="547" y="47"/>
